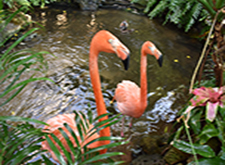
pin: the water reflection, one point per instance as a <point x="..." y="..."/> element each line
<point x="69" y="41"/>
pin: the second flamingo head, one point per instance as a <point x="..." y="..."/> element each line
<point x="149" y="48"/>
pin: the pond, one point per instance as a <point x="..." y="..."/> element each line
<point x="68" y="40"/>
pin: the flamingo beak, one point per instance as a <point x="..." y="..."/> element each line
<point x="160" y="60"/>
<point x="126" y="62"/>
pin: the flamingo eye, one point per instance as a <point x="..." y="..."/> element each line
<point x="152" y="48"/>
<point x="110" y="40"/>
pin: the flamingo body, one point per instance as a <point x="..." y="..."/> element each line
<point x="131" y="99"/>
<point x="124" y="99"/>
<point x="103" y="41"/>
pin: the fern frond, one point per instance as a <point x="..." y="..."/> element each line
<point x="149" y="5"/>
<point x="176" y="7"/>
<point x="158" y="9"/>
<point x="188" y="6"/>
<point x="193" y="15"/>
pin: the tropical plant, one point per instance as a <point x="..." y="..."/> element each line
<point x="182" y="13"/>
<point x="205" y="132"/>
<point x="25" y="4"/>
<point x="21" y="142"/>
<point x="81" y="154"/>
<point x="14" y="64"/>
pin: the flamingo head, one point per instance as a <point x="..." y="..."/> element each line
<point x="149" y="48"/>
<point x="104" y="41"/>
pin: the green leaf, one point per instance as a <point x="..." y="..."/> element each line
<point x="195" y="123"/>
<point x="13" y="95"/>
<point x="220" y="3"/>
<point x="74" y="135"/>
<point x="17" y="42"/>
<point x="24" y="2"/>
<point x="47" y="160"/>
<point x="55" y="150"/>
<point x="25" y="82"/>
<point x="193" y="14"/>
<point x="17" y="118"/>
<point x="207" y="6"/>
<point x="64" y="151"/>
<point x="178" y="133"/>
<point x="222" y="153"/>
<point x="207" y="133"/>
<point x="222" y="112"/>
<point x="161" y="6"/>
<point x="101" y="157"/>
<point x="203" y="150"/>
<point x="149" y="5"/>
<point x="110" y="138"/>
<point x="221" y="129"/>
<point x="208" y="161"/>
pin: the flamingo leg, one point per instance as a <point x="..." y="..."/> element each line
<point x="122" y="133"/>
<point x="112" y="100"/>
<point x="131" y="119"/>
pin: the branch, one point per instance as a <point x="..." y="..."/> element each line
<point x="203" y="53"/>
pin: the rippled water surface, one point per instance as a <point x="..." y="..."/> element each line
<point x="68" y="40"/>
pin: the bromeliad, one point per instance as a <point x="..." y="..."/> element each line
<point x="210" y="97"/>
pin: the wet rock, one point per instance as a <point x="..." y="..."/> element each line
<point x="155" y="144"/>
<point x="174" y="156"/>
<point x="88" y="4"/>
<point x="16" y="24"/>
<point x="154" y="159"/>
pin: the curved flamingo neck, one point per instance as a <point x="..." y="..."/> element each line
<point x="143" y="81"/>
<point x="95" y="80"/>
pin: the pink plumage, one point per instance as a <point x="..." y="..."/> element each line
<point x="132" y="100"/>
<point x="127" y="95"/>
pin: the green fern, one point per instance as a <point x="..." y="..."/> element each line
<point x="193" y="15"/>
<point x="161" y="6"/>
<point x="176" y="10"/>
<point x="149" y="5"/>
<point x="182" y="13"/>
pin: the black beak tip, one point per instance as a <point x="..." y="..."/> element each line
<point x="126" y="63"/>
<point x="160" y="61"/>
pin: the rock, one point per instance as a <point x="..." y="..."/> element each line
<point x="88" y="4"/>
<point x="16" y="24"/>
<point x="154" y="144"/>
<point x="154" y="159"/>
<point x="174" y="156"/>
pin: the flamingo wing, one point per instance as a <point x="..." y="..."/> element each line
<point x="127" y="95"/>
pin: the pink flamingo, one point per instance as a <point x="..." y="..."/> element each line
<point x="132" y="100"/>
<point x="103" y="41"/>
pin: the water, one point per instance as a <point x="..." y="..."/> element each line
<point x="69" y="40"/>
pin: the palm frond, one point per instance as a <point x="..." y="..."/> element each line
<point x="19" y="142"/>
<point x="81" y="154"/>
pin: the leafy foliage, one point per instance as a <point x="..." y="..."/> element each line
<point x="82" y="154"/>
<point x="205" y="137"/>
<point x="20" y="142"/>
<point x="13" y="64"/>
<point x="182" y="13"/>
<point x="26" y="3"/>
